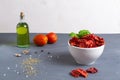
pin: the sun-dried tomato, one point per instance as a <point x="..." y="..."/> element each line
<point x="75" y="73"/>
<point x="92" y="70"/>
<point x="82" y="72"/>
<point x="79" y="72"/>
<point x="88" y="41"/>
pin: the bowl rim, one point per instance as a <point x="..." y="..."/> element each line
<point x="86" y="48"/>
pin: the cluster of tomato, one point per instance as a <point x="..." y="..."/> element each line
<point x="42" y="39"/>
<point x="88" y="41"/>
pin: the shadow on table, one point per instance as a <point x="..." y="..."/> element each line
<point x="63" y="58"/>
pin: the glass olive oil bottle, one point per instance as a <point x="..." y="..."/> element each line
<point x="22" y="32"/>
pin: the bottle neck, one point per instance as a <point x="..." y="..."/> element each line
<point x="22" y="19"/>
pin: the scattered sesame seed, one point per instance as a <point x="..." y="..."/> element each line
<point x="8" y="68"/>
<point x="23" y="71"/>
<point x="39" y="55"/>
<point x="30" y="56"/>
<point x="18" y="72"/>
<point x="16" y="65"/>
<point x="50" y="56"/>
<point x="4" y="75"/>
<point x="26" y="76"/>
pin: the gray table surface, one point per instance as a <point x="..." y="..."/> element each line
<point x="57" y="64"/>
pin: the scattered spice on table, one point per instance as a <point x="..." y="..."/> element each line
<point x="49" y="53"/>
<point x="42" y="50"/>
<point x="28" y="65"/>
<point x="35" y="52"/>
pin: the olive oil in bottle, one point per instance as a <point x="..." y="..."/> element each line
<point x="22" y="33"/>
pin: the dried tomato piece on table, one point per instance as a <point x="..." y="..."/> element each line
<point x="79" y="72"/>
<point x="92" y="70"/>
<point x="75" y="73"/>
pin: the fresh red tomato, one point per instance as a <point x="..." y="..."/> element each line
<point x="52" y="37"/>
<point x="40" y="39"/>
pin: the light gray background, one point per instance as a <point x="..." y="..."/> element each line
<point x="62" y="16"/>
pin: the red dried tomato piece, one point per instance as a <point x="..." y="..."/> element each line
<point x="75" y="73"/>
<point x="92" y="70"/>
<point x="82" y="72"/>
<point x="79" y="72"/>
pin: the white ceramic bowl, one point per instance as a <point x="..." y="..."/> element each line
<point x="85" y="56"/>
